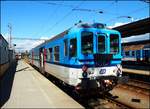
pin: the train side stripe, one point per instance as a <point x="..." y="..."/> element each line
<point x="78" y="66"/>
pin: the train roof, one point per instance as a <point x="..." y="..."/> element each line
<point x="136" y="42"/>
<point x="62" y="34"/>
<point x="76" y="28"/>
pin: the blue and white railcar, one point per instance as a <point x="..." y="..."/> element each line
<point x="85" y="56"/>
<point x="137" y="53"/>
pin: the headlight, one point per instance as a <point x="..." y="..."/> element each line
<point x="84" y="68"/>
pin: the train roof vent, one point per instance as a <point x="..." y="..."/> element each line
<point x="99" y="25"/>
<point x="84" y="25"/>
<point x="94" y="25"/>
<point x="102" y="59"/>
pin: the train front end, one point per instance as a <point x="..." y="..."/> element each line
<point x="100" y="57"/>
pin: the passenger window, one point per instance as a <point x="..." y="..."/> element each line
<point x="127" y="53"/>
<point x="101" y="43"/>
<point x="56" y="53"/>
<point x="73" y="48"/>
<point x="87" y="42"/>
<point x="49" y="54"/>
<point x="65" y="47"/>
<point x="114" y="44"/>
<point x="133" y="53"/>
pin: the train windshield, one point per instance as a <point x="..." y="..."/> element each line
<point x="114" y="43"/>
<point x="101" y="43"/>
<point x="86" y="42"/>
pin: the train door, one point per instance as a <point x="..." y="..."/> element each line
<point x="65" y="51"/>
<point x="42" y="59"/>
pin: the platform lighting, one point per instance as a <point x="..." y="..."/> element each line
<point x="88" y="10"/>
<point x="129" y="17"/>
<point x="101" y="12"/>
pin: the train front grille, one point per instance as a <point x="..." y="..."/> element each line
<point x="102" y="59"/>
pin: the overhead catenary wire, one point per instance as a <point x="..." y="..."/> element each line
<point x="128" y="14"/>
<point x="82" y="9"/>
<point x="56" y="4"/>
<point x="73" y="8"/>
<point x="24" y="38"/>
<point x="65" y="16"/>
<point x="49" y="17"/>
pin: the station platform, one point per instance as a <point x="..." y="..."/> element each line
<point x="30" y="89"/>
<point x="134" y="71"/>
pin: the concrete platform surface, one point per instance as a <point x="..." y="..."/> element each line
<point x="32" y="90"/>
<point x="134" y="71"/>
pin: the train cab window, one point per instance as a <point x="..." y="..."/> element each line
<point x="56" y="53"/>
<point x="114" y="43"/>
<point x="86" y="42"/>
<point x="65" y="47"/>
<point x="73" y="48"/>
<point x="101" y="43"/>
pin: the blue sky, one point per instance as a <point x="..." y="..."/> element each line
<point x="43" y="19"/>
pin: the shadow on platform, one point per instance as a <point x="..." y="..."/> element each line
<point x="22" y="69"/>
<point x="6" y="83"/>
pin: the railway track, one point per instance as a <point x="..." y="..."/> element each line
<point x="140" y="84"/>
<point x="137" y="86"/>
<point x="133" y="94"/>
<point x="94" y="102"/>
<point x="106" y="102"/>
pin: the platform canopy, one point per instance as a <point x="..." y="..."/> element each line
<point x="134" y="28"/>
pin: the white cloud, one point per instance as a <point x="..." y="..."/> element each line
<point x="44" y="37"/>
<point x="123" y="23"/>
<point x="22" y="45"/>
<point x="117" y="24"/>
<point x="28" y="44"/>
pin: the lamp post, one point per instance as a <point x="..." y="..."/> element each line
<point x="10" y="37"/>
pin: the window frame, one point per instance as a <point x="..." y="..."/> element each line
<point x="70" y="55"/>
<point x="56" y="53"/>
<point x="92" y="48"/>
<point x="49" y="54"/>
<point x="101" y="35"/>
<point x="65" y="47"/>
<point x="118" y="45"/>
<point x="127" y="53"/>
<point x="133" y="53"/>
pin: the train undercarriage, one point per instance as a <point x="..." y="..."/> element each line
<point x="100" y="85"/>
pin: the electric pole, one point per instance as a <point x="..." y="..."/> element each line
<point x="10" y="37"/>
